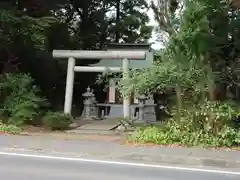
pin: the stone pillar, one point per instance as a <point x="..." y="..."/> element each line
<point x="69" y="86"/>
<point x="88" y="102"/>
<point x="141" y="105"/>
<point x="127" y="99"/>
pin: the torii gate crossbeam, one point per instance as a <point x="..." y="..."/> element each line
<point x="72" y="55"/>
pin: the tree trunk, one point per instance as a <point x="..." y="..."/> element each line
<point x="179" y="101"/>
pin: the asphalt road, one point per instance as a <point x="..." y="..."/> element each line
<point x="14" y="167"/>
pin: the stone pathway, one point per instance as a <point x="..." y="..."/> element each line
<point x="96" y="127"/>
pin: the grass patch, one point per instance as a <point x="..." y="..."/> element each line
<point x="182" y="134"/>
<point x="211" y="124"/>
<point x="9" y="129"/>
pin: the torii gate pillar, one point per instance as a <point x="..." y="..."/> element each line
<point x="118" y="55"/>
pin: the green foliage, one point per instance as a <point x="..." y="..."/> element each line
<point x="21" y="100"/>
<point x="213" y="116"/>
<point x="185" y="59"/>
<point x="133" y="25"/>
<point x="192" y="63"/>
<point x="209" y="125"/>
<point x="22" y="29"/>
<point x="10" y="129"/>
<point x="57" y="120"/>
<point x="172" y="134"/>
<point x="190" y="53"/>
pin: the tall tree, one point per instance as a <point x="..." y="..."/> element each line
<point x="129" y="22"/>
<point x="28" y="34"/>
<point x="167" y="14"/>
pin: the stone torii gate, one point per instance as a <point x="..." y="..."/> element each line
<point x="72" y="55"/>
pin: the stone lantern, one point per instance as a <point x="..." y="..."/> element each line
<point x="88" y="103"/>
<point x="141" y="101"/>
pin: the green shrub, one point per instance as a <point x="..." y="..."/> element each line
<point x="213" y="116"/>
<point x="21" y="102"/>
<point x="57" y="120"/>
<point x="11" y="129"/>
<point x="209" y="126"/>
<point x="173" y="134"/>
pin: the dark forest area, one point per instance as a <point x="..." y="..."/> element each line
<point x="30" y="30"/>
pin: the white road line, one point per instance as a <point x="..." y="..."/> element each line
<point x="118" y="163"/>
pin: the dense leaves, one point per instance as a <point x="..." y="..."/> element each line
<point x="30" y="30"/>
<point x="198" y="64"/>
<point x="20" y="98"/>
<point x="210" y="125"/>
<point x="57" y="120"/>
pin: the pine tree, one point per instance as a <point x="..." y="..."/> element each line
<point x="132" y="24"/>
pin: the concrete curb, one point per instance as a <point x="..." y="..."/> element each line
<point x="69" y="134"/>
<point x="184" y="160"/>
<point x="75" y="136"/>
